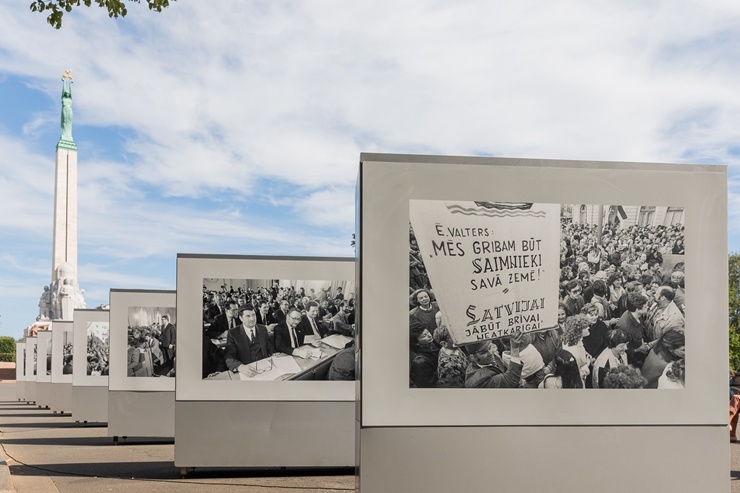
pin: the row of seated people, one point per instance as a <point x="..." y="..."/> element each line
<point x="236" y="338"/>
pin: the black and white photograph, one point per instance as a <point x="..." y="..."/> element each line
<point x="276" y="329"/>
<point x="98" y="348"/>
<point x="152" y="341"/>
<point x="67" y="349"/>
<point x="48" y="356"/>
<point x="546" y="296"/>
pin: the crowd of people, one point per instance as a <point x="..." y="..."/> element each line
<point x="620" y="320"/>
<point x="98" y="352"/>
<point x="151" y="349"/>
<point x="243" y="325"/>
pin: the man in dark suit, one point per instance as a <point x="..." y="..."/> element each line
<point x="287" y="337"/>
<point x="210" y="311"/>
<point x="168" y="340"/>
<point x="247" y="342"/>
<point x="264" y="317"/>
<point x="224" y="321"/>
<point x="311" y="323"/>
<point x="280" y="315"/>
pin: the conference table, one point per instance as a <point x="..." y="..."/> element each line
<point x="291" y="367"/>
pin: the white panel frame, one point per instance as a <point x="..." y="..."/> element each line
<point x="384" y="211"/>
<point x="20" y="368"/>
<point x="80" y="378"/>
<point x="120" y="301"/>
<point x="31" y="343"/>
<point x="191" y="270"/>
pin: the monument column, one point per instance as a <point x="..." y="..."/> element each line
<point x="63" y="294"/>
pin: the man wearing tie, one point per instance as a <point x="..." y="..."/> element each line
<point x="280" y="315"/>
<point x="287" y="337"/>
<point x="247" y="343"/>
<point x="224" y="321"/>
<point x="311" y="323"/>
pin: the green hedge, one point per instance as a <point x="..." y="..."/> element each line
<point x="7" y="348"/>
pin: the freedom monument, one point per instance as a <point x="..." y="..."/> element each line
<point x="63" y="295"/>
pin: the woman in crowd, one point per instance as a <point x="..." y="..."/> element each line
<point x="594" y="341"/>
<point x="670" y="347"/>
<point x="425" y="310"/>
<point x="424" y="355"/>
<point x="452" y="361"/>
<point x="566" y="374"/>
<point x="576" y="328"/>
<point x="614" y="355"/>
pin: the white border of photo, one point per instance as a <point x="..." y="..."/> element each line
<point x="80" y="378"/>
<point x="120" y="302"/>
<point x="384" y="212"/>
<point x="191" y="270"/>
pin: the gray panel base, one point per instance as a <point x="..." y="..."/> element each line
<point x="30" y="390"/>
<point x="264" y="434"/>
<point x="61" y="397"/>
<point x="43" y="394"/>
<point x="141" y="414"/>
<point x="564" y="459"/>
<point x="20" y="390"/>
<point x="90" y="404"/>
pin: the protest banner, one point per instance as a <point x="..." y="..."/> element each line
<point x="493" y="267"/>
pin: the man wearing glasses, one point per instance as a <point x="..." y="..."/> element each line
<point x="573" y="300"/>
<point x="247" y="343"/>
<point x="287" y="335"/>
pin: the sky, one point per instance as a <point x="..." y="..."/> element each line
<point x="236" y="127"/>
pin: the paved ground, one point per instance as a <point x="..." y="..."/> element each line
<point x="49" y="453"/>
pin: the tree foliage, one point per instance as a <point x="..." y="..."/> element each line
<point x="734" y="309"/>
<point x="116" y="8"/>
<point x="7" y="348"/>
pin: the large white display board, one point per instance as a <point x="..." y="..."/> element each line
<point x="20" y="362"/>
<point x="20" y="371"/>
<point x="136" y="356"/>
<point x="194" y="271"/>
<point x="698" y="192"/>
<point x="91" y="348"/>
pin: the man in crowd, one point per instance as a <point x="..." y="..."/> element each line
<point x="212" y="309"/>
<point x="311" y="324"/>
<point x="264" y="317"/>
<point x="486" y="368"/>
<point x="280" y="315"/>
<point x="287" y="337"/>
<point x="247" y="343"/>
<point x="662" y="315"/>
<point x="168" y="341"/>
<point x="631" y="324"/>
<point x="341" y="321"/>
<point x="224" y="321"/>
<point x="573" y="300"/>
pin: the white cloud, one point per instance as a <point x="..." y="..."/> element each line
<point x="241" y="123"/>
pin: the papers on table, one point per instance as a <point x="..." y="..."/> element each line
<point x="281" y="365"/>
<point x="337" y="341"/>
<point x="306" y="352"/>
